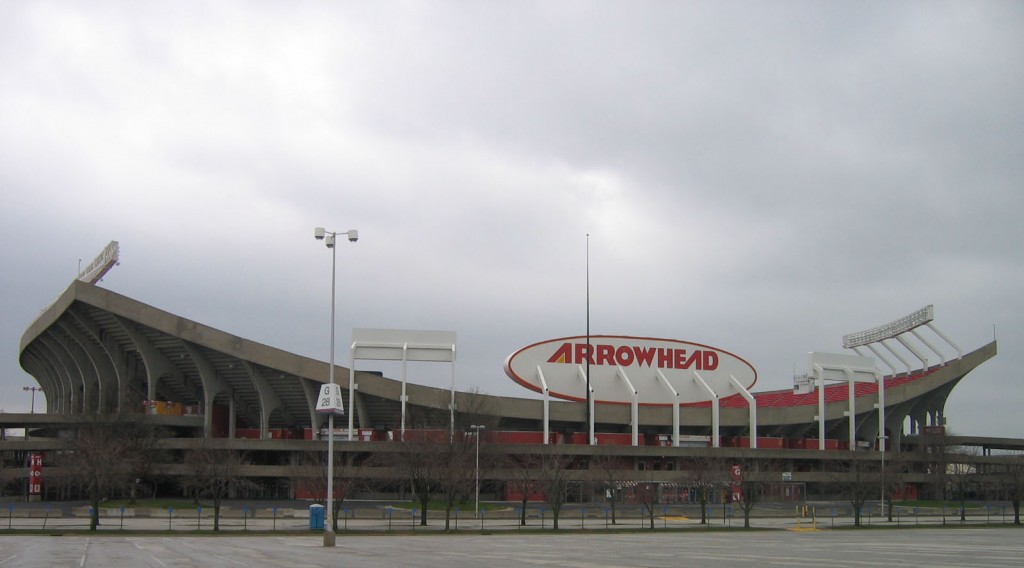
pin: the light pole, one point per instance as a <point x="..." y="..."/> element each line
<point x="586" y="412"/>
<point x="33" y="389"/>
<point x="478" y="428"/>
<point x="329" y="238"/>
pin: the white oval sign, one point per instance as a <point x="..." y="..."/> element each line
<point x="653" y="371"/>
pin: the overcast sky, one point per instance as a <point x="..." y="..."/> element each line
<point x="760" y="177"/>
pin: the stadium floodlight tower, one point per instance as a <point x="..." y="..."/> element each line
<point x="34" y="391"/>
<point x="331" y="402"/>
<point x="102" y="264"/>
<point x="897" y="330"/>
<point x="900" y="330"/>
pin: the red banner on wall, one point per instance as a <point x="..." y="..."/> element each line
<point x="35" y="472"/>
<point x="737" y="483"/>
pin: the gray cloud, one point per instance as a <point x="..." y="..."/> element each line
<point x="762" y="178"/>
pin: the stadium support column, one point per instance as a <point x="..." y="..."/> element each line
<point x="959" y="352"/>
<point x="634" y="415"/>
<point x="928" y="344"/>
<point x="821" y="413"/>
<point x="352" y="386"/>
<point x="882" y="358"/>
<point x="232" y="416"/>
<point x="405" y="364"/>
<point x="547" y="405"/>
<point x="852" y="411"/>
<point x="910" y="347"/>
<point x="715" y="423"/>
<point x="881" y="412"/>
<point x="451" y="405"/>
<point x="906" y="364"/>
<point x="675" y="408"/>
<point x="589" y="388"/>
<point x="752" y="404"/>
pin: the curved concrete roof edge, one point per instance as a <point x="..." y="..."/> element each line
<point x="305" y="367"/>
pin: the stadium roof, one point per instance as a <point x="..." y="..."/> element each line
<point x="94" y="350"/>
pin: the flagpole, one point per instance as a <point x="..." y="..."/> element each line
<point x="590" y="436"/>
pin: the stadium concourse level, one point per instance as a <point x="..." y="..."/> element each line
<point x="102" y="356"/>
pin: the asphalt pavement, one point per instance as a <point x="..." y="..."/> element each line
<point x="942" y="547"/>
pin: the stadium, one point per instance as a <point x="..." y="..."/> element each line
<point x="655" y="405"/>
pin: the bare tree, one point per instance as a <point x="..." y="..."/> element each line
<point x="961" y="468"/>
<point x="213" y="472"/>
<point x="311" y="469"/>
<point x="456" y="470"/>
<point x="553" y="476"/>
<point x="522" y="478"/>
<point x="418" y="460"/>
<point x="752" y="484"/>
<point x="1011" y="481"/>
<point x="476" y="409"/>
<point x="611" y="472"/>
<point x="707" y="473"/>
<point x="856" y="479"/>
<point x="893" y="476"/>
<point x="647" y="493"/>
<point x="106" y="455"/>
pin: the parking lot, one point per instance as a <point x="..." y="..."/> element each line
<point x="900" y="547"/>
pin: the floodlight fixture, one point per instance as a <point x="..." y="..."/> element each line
<point x="34" y="391"/>
<point x="891" y="329"/>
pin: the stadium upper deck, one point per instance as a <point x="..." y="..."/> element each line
<point x="94" y="350"/>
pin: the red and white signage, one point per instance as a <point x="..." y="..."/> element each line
<point x="329" y="401"/>
<point x="35" y="472"/>
<point x="622" y="367"/>
<point x="737" y="483"/>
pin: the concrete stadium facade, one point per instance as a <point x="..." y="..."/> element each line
<point x="95" y="351"/>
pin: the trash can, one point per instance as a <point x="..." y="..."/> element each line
<point x="316" y="517"/>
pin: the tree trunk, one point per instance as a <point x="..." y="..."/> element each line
<point x="423" y="511"/>
<point x="94" y="515"/>
<point x="334" y="516"/>
<point x="522" y="513"/>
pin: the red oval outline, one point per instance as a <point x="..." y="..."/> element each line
<point x="536" y="388"/>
